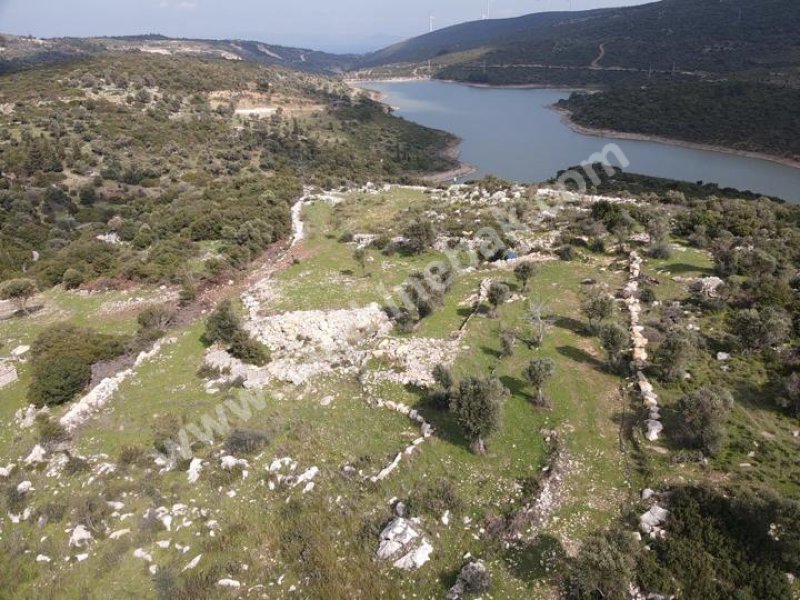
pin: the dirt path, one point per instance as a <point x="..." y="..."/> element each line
<point x="596" y="62"/>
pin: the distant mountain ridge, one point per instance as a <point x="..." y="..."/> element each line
<point x="25" y="52"/>
<point x="670" y="39"/>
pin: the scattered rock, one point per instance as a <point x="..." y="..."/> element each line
<point x="140" y="553"/>
<point x="118" y="534"/>
<point x="229" y="583"/>
<point x="473" y="579"/>
<point x="80" y="536"/>
<point x="195" y="467"/>
<point x="192" y="563"/>
<point x="229" y="463"/>
<point x="402" y="542"/>
<point x="651" y="521"/>
<point x="20" y="351"/>
<point x="654" y="429"/>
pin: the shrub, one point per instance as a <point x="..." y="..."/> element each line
<point x="647" y="295"/>
<point x="566" y="253"/>
<point x="72" y="279"/>
<point x="132" y="455"/>
<point x="156" y="318"/>
<point x="57" y="379"/>
<point x="538" y="373"/>
<point x="443" y="376"/>
<point x="245" y="441"/>
<point x="420" y="235"/>
<point x="249" y="350"/>
<point x="597" y="306"/>
<point x="604" y="567"/>
<point x="50" y="431"/>
<point x="524" y="271"/>
<point x="508" y="340"/>
<point x="498" y="295"/>
<point x="614" y="340"/>
<point x="674" y="355"/>
<point x="434" y="498"/>
<point x="223" y="324"/>
<point x="661" y="250"/>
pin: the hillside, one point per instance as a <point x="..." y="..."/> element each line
<point x="20" y="52"/>
<point x="690" y="38"/>
<point x="155" y="154"/>
<point x="745" y="116"/>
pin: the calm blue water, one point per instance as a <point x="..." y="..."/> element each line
<point x="513" y="134"/>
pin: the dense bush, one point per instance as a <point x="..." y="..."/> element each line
<point x="62" y="358"/>
<point x="245" y="441"/>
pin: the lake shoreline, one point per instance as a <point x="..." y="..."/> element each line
<point x="566" y="118"/>
<point x="451" y="151"/>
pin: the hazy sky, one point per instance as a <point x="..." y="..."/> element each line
<point x="336" y="25"/>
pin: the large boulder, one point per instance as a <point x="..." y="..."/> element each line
<point x="403" y="543"/>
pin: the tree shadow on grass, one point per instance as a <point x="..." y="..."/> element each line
<point x="516" y="386"/>
<point x="492" y="352"/>
<point x="445" y="425"/>
<point x="537" y="560"/>
<point x="20" y="313"/>
<point x="580" y="356"/>
<point x="573" y="325"/>
<point x="680" y="268"/>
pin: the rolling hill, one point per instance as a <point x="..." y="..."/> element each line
<point x="686" y="38"/>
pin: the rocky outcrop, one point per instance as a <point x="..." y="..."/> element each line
<point x="306" y="344"/>
<point x="402" y="542"/>
<point x="473" y="579"/>
<point x="8" y="374"/>
<point x="651" y="523"/>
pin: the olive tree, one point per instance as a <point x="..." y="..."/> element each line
<point x="674" y="354"/>
<point x="19" y="292"/>
<point x="615" y="342"/>
<point x="498" y="295"/>
<point x="597" y="306"/>
<point x="703" y="418"/>
<point x="478" y="407"/>
<point x="538" y="373"/>
<point x="524" y="272"/>
<point x="760" y="329"/>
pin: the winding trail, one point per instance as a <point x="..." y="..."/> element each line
<point x="596" y="62"/>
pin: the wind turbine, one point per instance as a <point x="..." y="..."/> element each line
<point x="488" y="14"/>
<point x="431" y="20"/>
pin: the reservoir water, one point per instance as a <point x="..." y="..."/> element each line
<point x="513" y="134"/>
